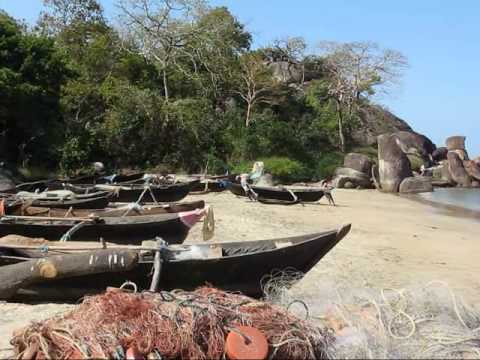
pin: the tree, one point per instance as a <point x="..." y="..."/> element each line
<point x="161" y="30"/>
<point x="256" y="82"/>
<point x="219" y="42"/>
<point x="289" y="49"/>
<point x="62" y="14"/>
<point x="32" y="73"/>
<point x="358" y="70"/>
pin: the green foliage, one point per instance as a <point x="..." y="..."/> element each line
<point x="75" y="153"/>
<point x="31" y="75"/>
<point x="76" y="90"/>
<point x="326" y="164"/>
<point x="416" y="162"/>
<point x="284" y="169"/>
<point x="370" y="151"/>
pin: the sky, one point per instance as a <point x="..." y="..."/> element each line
<point x="439" y="93"/>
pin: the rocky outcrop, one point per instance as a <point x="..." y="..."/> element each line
<point x="472" y="169"/>
<point x="414" y="185"/>
<point x="457" y="171"/>
<point x="393" y="164"/>
<point x="415" y="144"/>
<point x="440" y="154"/>
<point x="443" y="173"/>
<point x="358" y="162"/>
<point x="375" y="121"/>
<point x="455" y="143"/>
<point x="462" y="154"/>
<point x="286" y="72"/>
<point x="351" y="178"/>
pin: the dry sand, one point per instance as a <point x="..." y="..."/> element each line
<point x="394" y="243"/>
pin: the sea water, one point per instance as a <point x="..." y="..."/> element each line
<point x="466" y="198"/>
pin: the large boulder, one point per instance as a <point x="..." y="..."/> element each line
<point x="472" y="169"/>
<point x="393" y="164"/>
<point x="412" y="143"/>
<point x="373" y="121"/>
<point x="417" y="184"/>
<point x="359" y="162"/>
<point x="286" y="72"/>
<point x="6" y="180"/>
<point x="455" y="143"/>
<point x="445" y="172"/>
<point x="357" y="178"/>
<point x="440" y="154"/>
<point x="457" y="171"/>
<point x="461" y="153"/>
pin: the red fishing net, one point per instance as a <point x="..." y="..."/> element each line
<point x="172" y="325"/>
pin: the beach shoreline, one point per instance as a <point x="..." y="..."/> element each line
<point x="394" y="243"/>
<point x="444" y="208"/>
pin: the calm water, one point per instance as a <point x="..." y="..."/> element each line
<point x="465" y="198"/>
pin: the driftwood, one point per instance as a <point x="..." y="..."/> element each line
<point x="21" y="275"/>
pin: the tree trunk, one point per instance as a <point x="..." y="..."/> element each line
<point x="165" y="89"/>
<point x="165" y="85"/>
<point x="21" y="275"/>
<point x="249" y="110"/>
<point x="340" y="128"/>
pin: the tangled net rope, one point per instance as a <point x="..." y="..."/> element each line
<point x="425" y="322"/>
<point x="168" y="325"/>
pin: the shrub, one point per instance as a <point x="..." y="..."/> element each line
<point x="326" y="164"/>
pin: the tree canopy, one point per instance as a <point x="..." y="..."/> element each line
<point x="175" y="84"/>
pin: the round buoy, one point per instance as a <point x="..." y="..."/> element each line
<point x="132" y="353"/>
<point x="246" y="343"/>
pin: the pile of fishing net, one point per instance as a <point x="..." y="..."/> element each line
<point x="169" y="325"/>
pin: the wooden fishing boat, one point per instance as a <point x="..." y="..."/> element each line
<point x="204" y="186"/>
<point x="276" y="193"/>
<point x="173" y="227"/>
<point x="234" y="266"/>
<point x="21" y="210"/>
<point x="152" y="193"/>
<point x="98" y="202"/>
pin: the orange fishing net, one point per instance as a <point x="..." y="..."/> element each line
<point x="171" y="325"/>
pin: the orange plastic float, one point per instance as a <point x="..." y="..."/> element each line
<point x="133" y="354"/>
<point x="246" y="343"/>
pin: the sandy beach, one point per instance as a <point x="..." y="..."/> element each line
<point x="394" y="243"/>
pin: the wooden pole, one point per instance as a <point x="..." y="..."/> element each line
<point x="24" y="274"/>
<point x="43" y="218"/>
<point x="157" y="266"/>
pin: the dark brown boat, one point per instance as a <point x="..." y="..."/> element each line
<point x="276" y="193"/>
<point x="173" y="228"/>
<point x="133" y="192"/>
<point x="97" y="202"/>
<point x="20" y="210"/>
<point x="235" y="266"/>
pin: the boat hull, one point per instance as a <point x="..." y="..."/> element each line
<point x="303" y="195"/>
<point x="120" y="230"/>
<point x="242" y="267"/>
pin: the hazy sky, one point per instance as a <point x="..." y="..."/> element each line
<point x="440" y="90"/>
